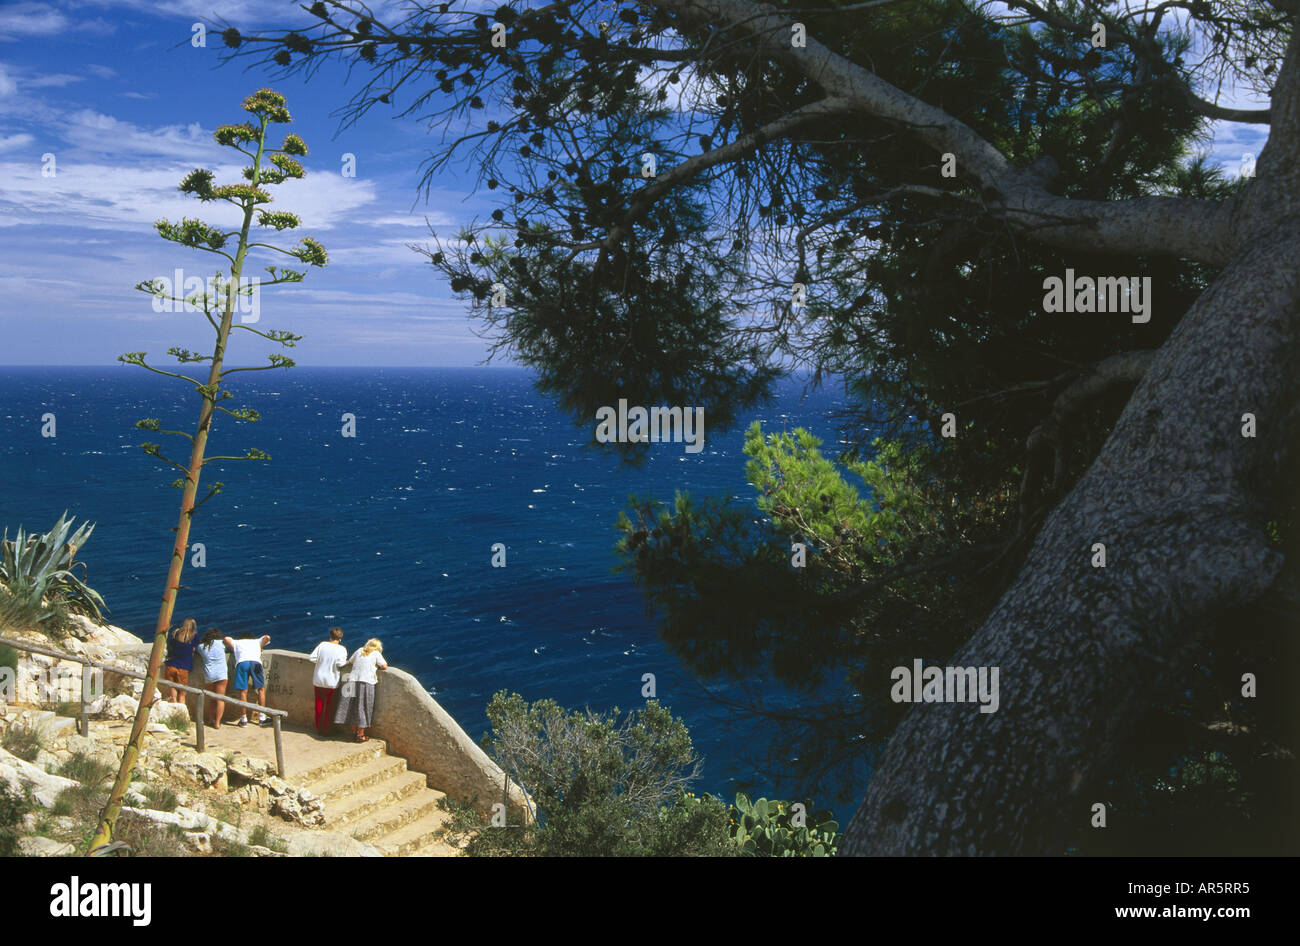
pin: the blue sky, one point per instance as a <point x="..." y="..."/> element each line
<point x="126" y="114"/>
<point x="126" y="105"/>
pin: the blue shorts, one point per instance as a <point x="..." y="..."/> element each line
<point x="249" y="675"/>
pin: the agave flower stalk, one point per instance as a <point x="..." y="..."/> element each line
<point x="269" y="166"/>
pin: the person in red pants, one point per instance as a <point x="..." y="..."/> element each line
<point x="329" y="658"/>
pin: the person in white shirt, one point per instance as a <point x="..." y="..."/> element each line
<point x="249" y="673"/>
<point x="358" y="703"/>
<point x="329" y="658"/>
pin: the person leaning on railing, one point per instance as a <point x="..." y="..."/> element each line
<point x="358" y="703"/>
<point x="329" y="658"/>
<point x="180" y="658"/>
<point x="212" y="654"/>
<point x="249" y="673"/>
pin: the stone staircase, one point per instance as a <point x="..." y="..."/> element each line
<point x="375" y="798"/>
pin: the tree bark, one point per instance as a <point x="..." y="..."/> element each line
<point x="1179" y="497"/>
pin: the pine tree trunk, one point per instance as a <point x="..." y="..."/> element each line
<point x="1179" y="497"/>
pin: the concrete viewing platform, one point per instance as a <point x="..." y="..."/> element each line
<point x="368" y="792"/>
<point x="304" y="748"/>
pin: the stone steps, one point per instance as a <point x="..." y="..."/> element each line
<point x="375" y="798"/>
<point x="416" y="839"/>
<point x="356" y="754"/>
<point x="388" y="818"/>
<point x="378" y="797"/>
<point x="341" y="786"/>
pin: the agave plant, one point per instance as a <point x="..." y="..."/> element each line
<point x="37" y="568"/>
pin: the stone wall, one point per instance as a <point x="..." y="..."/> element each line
<point x="406" y="717"/>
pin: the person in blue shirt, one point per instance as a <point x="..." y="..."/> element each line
<point x="180" y="658"/>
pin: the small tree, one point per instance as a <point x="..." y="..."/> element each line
<point x="218" y="307"/>
<point x="600" y="787"/>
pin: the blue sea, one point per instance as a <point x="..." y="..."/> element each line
<point x="389" y="534"/>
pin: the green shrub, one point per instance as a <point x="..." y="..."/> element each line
<point x="87" y="770"/>
<point x="8" y="656"/>
<point x="224" y="848"/>
<point x="147" y="838"/>
<point x="600" y="787"/>
<point x="23" y="741"/>
<point x="13" y="805"/>
<point x="160" y="797"/>
<point x="81" y="803"/>
<point x="261" y="836"/>
<point x="226" y="811"/>
<point x="177" y="724"/>
<point x="777" y="829"/>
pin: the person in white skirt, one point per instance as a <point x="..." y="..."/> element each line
<point x="357" y="704"/>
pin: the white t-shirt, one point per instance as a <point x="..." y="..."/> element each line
<point x="329" y="659"/>
<point x="246" y="650"/>
<point x="365" y="667"/>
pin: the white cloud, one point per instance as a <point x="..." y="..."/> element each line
<point x="56" y="81"/>
<point x="134" y="195"/>
<point x="377" y="253"/>
<point x="433" y="219"/>
<point x="97" y="133"/>
<point x="32" y="19"/>
<point x="8" y="142"/>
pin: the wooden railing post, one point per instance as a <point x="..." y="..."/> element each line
<point x="279" y="749"/>
<point x="83" y="724"/>
<point x="201" y="722"/>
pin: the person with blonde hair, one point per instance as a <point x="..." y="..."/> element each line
<point x="180" y="658"/>
<point x="358" y="702"/>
